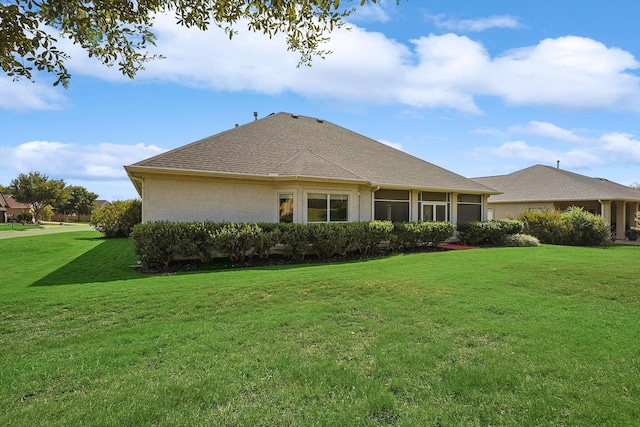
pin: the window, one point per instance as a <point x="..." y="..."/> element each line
<point x="469" y="207"/>
<point x="285" y="206"/>
<point x="435" y="206"/>
<point x="391" y="205"/>
<point x="323" y="207"/>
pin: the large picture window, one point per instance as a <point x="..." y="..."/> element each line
<point x="285" y="206"/>
<point x="323" y="207"/>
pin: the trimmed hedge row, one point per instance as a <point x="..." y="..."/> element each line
<point x="158" y="244"/>
<point x="489" y="233"/>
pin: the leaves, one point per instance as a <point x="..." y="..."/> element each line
<point x="120" y="31"/>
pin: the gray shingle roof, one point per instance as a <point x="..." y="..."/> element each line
<point x="546" y="183"/>
<point x="286" y="145"/>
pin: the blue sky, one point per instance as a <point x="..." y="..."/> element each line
<point x="477" y="87"/>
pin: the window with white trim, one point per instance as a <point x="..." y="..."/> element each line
<point x="434" y="206"/>
<point x="327" y="207"/>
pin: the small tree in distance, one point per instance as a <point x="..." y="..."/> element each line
<point x="118" y="218"/>
<point x="39" y="192"/>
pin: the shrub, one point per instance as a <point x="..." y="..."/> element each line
<point x="374" y="233"/>
<point x="414" y="234"/>
<point x="488" y="232"/>
<point x="575" y="227"/>
<point x="585" y="228"/>
<point x="24" y="217"/>
<point x="156" y="243"/>
<point x="295" y="238"/>
<point x="236" y="239"/>
<point x="548" y="225"/>
<point x="520" y="240"/>
<point x="118" y="218"/>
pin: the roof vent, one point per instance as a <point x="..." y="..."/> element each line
<point x="295" y="116"/>
<point x="255" y="115"/>
<point x="319" y="120"/>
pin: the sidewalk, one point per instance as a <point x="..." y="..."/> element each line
<point x="48" y="228"/>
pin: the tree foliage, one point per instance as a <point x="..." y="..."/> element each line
<point x="119" y="32"/>
<point x="118" y="218"/>
<point x="80" y="201"/>
<point x="39" y="192"/>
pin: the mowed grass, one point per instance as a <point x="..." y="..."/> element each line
<point x="545" y="336"/>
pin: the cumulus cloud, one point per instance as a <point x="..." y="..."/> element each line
<point x="607" y="149"/>
<point x="72" y="161"/>
<point x="549" y="130"/>
<point x="433" y="71"/>
<point x="475" y="25"/>
<point x="24" y="95"/>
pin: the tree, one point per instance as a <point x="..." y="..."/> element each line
<point x="80" y="201"/>
<point x="119" y="31"/>
<point x="39" y="192"/>
<point x="635" y="185"/>
<point x="118" y="218"/>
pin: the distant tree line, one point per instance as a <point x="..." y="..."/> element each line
<point x="42" y="194"/>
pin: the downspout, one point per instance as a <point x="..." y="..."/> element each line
<point x="373" y="203"/>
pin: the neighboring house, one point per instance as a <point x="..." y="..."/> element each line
<point x="290" y="168"/>
<point x="10" y="208"/>
<point x="544" y="187"/>
<point x="58" y="217"/>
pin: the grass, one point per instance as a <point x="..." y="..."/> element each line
<point x="17" y="227"/>
<point x="542" y="336"/>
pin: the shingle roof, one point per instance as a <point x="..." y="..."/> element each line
<point x="287" y="145"/>
<point x="11" y="203"/>
<point x="546" y="183"/>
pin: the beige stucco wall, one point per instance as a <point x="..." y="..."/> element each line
<point x="196" y="199"/>
<point x="512" y="210"/>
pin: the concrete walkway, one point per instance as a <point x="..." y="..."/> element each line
<point x="48" y="228"/>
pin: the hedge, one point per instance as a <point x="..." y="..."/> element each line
<point x="488" y="233"/>
<point x="159" y="243"/>
<point x="574" y="226"/>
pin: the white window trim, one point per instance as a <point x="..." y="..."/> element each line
<point x="328" y="193"/>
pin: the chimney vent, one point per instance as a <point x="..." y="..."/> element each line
<point x="255" y="115"/>
<point x="557" y="164"/>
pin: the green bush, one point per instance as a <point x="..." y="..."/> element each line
<point x="415" y="234"/>
<point x="295" y="238"/>
<point x="235" y="240"/>
<point x="490" y="233"/>
<point x="520" y="240"/>
<point x="24" y="217"/>
<point x="118" y="218"/>
<point x="373" y="233"/>
<point x="575" y="227"/>
<point x="585" y="228"/>
<point x="156" y="244"/>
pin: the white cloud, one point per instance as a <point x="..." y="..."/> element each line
<point x="575" y="158"/>
<point x="574" y="72"/>
<point x="621" y="146"/>
<point x="24" y="95"/>
<point x="433" y="71"/>
<point x="72" y="161"/>
<point x="475" y="25"/>
<point x="549" y="130"/>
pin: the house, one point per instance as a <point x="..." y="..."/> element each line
<point x="292" y="168"/>
<point x="542" y="187"/>
<point x="10" y="208"/>
<point x="59" y="217"/>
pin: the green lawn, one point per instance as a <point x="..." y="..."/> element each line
<point x="17" y="227"/>
<point x="546" y="336"/>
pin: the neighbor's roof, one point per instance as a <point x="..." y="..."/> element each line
<point x="285" y="145"/>
<point x="9" y="202"/>
<point x="546" y="183"/>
